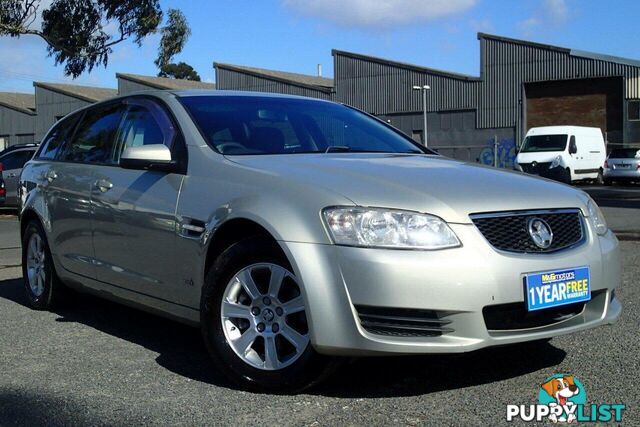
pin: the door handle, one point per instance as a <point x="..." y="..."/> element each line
<point x="51" y="176"/>
<point x="104" y="185"/>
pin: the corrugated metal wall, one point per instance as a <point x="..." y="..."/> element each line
<point x="507" y="65"/>
<point x="233" y="80"/>
<point x="50" y="105"/>
<point x="16" y="127"/>
<point x="386" y="88"/>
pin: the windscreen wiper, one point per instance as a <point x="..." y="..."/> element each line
<point x="337" y="148"/>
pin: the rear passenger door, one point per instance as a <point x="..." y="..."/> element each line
<point x="71" y="180"/>
<point x="134" y="227"/>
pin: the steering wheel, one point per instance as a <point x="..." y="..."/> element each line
<point x="227" y="145"/>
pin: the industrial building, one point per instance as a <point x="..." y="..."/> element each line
<point x="56" y="100"/>
<point x="17" y="118"/>
<point x="521" y="84"/>
<point x="26" y="118"/>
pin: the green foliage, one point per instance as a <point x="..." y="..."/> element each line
<point x="180" y="70"/>
<point x="76" y="30"/>
<point x="174" y="37"/>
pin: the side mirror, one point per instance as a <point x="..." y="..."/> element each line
<point x="148" y="157"/>
<point x="573" y="148"/>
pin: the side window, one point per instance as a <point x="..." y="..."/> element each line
<point x="56" y="138"/>
<point x="144" y="123"/>
<point x="93" y="141"/>
<point x="16" y="159"/>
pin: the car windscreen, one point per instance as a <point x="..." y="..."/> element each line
<point x="243" y="125"/>
<point x="625" y="153"/>
<point x="539" y="143"/>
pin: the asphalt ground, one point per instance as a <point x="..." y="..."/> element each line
<point x="99" y="363"/>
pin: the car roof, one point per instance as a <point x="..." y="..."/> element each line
<point x="18" y="147"/>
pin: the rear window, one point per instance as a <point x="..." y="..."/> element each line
<point x="625" y="153"/>
<point x="539" y="143"/>
<point x="240" y="125"/>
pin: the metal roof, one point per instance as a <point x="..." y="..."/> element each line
<point x="85" y="93"/>
<point x="404" y="65"/>
<point x="573" y="52"/>
<point x="23" y="102"/>
<point x="313" y="82"/>
<point x="165" y="82"/>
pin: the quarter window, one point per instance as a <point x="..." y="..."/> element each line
<point x="144" y="123"/>
<point x="56" y="138"/>
<point x="93" y="141"/>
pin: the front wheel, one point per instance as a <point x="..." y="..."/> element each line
<point x="567" y="178"/>
<point x="254" y="320"/>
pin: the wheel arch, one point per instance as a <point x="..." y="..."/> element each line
<point x="26" y="217"/>
<point x="233" y="231"/>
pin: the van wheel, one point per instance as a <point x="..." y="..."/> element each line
<point x="43" y="288"/>
<point x="253" y="319"/>
<point x="600" y="177"/>
<point x="567" y="178"/>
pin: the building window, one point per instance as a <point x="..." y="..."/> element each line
<point x="634" y="110"/>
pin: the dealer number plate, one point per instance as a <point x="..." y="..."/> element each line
<point x="555" y="288"/>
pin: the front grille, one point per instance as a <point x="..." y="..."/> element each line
<point x="505" y="317"/>
<point x="403" y="322"/>
<point x="536" y="168"/>
<point x="509" y="231"/>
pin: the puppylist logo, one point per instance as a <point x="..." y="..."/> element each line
<point x="562" y="398"/>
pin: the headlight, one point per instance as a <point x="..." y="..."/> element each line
<point x="556" y="162"/>
<point x="387" y="228"/>
<point x="597" y="217"/>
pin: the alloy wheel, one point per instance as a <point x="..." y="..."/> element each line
<point x="36" y="270"/>
<point x="263" y="316"/>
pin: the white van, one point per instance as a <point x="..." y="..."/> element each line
<point x="564" y="153"/>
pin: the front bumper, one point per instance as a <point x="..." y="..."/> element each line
<point x="460" y="282"/>
<point x="542" y="169"/>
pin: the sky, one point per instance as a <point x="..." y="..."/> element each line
<point x="296" y="35"/>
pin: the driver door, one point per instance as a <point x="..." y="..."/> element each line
<point x="134" y="211"/>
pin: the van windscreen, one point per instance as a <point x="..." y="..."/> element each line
<point x="539" y="143"/>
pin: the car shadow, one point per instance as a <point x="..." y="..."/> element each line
<point x="180" y="350"/>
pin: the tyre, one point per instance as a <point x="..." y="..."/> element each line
<point x="600" y="178"/>
<point x="567" y="177"/>
<point x="253" y="320"/>
<point x="607" y="181"/>
<point x="43" y="288"/>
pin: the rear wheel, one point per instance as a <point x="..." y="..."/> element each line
<point x="254" y="321"/>
<point x="43" y="288"/>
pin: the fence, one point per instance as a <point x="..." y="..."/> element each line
<point x="495" y="152"/>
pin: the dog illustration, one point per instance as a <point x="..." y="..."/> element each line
<point x="561" y="389"/>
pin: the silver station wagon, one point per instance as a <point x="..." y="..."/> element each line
<point x="293" y="231"/>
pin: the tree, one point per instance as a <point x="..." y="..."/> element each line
<point x="76" y="31"/>
<point x="180" y="70"/>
